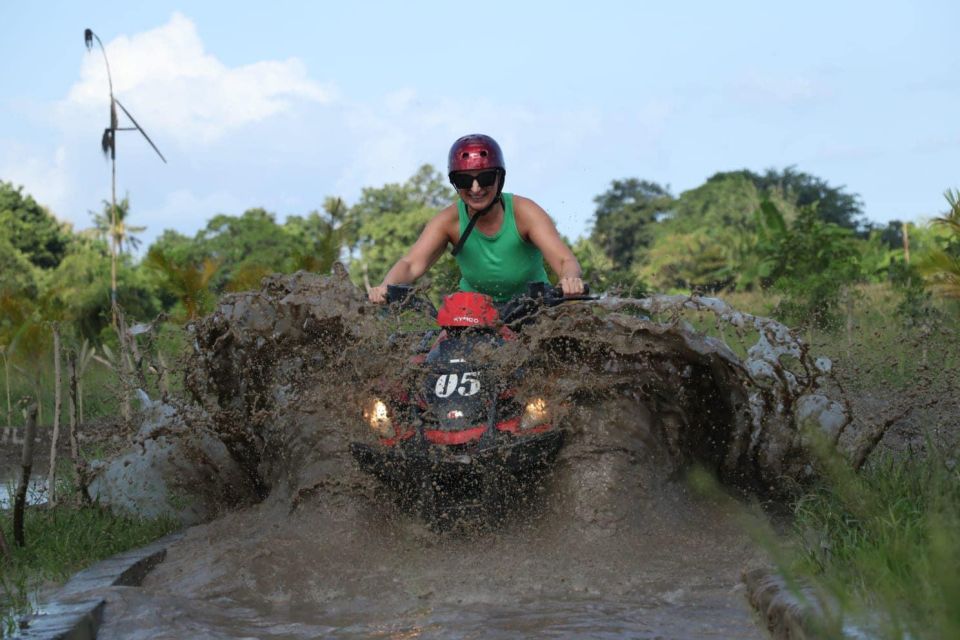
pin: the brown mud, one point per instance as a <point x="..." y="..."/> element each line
<point x="612" y="543"/>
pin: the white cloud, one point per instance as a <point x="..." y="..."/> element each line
<point x="42" y="175"/>
<point x="395" y="136"/>
<point x="187" y="212"/>
<point x="172" y="85"/>
<point x="779" y="89"/>
<point x="400" y="99"/>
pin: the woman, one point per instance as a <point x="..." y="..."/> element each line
<point x="499" y="240"/>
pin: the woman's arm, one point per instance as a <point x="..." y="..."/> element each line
<point x="422" y="255"/>
<point x="536" y="225"/>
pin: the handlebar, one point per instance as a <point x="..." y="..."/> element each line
<point x="516" y="311"/>
<point x="523" y="308"/>
<point x="403" y="296"/>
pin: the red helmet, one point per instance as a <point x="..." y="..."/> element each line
<point x="475" y="152"/>
<point x="467" y="309"/>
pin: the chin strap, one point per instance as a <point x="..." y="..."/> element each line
<point x="473" y="221"/>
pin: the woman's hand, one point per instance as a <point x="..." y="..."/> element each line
<point x="571" y="286"/>
<point x="378" y="294"/>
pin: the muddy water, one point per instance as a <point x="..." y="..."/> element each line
<point x="610" y="549"/>
<point x="612" y="543"/>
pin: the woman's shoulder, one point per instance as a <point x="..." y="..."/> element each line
<point x="521" y="203"/>
<point x="528" y="214"/>
<point x="526" y="209"/>
<point x="448" y="214"/>
<point x="448" y="218"/>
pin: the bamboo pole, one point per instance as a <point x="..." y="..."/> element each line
<point x="162" y="377"/>
<point x="26" y="464"/>
<point x="78" y="465"/>
<point x="906" y="242"/>
<point x="57" y="408"/>
<point x="4" y="548"/>
<point x="38" y="393"/>
<point x="6" y="381"/>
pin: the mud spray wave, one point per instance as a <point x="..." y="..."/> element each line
<point x="613" y="543"/>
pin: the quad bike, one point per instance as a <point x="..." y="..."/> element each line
<point x="455" y="439"/>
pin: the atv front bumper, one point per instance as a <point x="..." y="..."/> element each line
<point x="409" y="461"/>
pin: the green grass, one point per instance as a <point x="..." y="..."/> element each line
<point x="60" y="542"/>
<point x="99" y="384"/>
<point x="883" y="543"/>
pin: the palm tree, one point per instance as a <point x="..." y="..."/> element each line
<point x="117" y="231"/>
<point x="190" y="283"/>
<point x="942" y="266"/>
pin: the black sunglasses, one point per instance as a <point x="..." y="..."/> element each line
<point x="465" y="180"/>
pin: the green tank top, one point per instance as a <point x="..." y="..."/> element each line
<point x="500" y="265"/>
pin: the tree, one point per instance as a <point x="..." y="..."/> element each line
<point x="190" y="283"/>
<point x="117" y="230"/>
<point x="319" y="237"/>
<point x="624" y="217"/>
<point x="813" y="262"/>
<point x="834" y="205"/>
<point x="427" y="188"/>
<point x="32" y="229"/>
<point x="598" y="270"/>
<point x="707" y="233"/>
<point x="18" y="288"/>
<point x="730" y="230"/>
<point x="81" y="287"/>
<point x="17" y="274"/>
<point x="685" y="260"/>
<point x="386" y="221"/>
<point x="241" y="244"/>
<point x="941" y="265"/>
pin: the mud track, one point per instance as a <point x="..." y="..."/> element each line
<point x="612" y="543"/>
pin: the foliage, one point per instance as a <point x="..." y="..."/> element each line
<point x="884" y="541"/>
<point x="685" y="260"/>
<point x="17" y="275"/>
<point x="816" y="261"/>
<point x="79" y="289"/>
<point x="711" y="236"/>
<point x="726" y="200"/>
<point x="32" y="229"/>
<point x="386" y="221"/>
<point x="320" y="238"/>
<point x="719" y="235"/>
<point x="600" y="274"/>
<point x="120" y="232"/>
<point x="426" y="189"/>
<point x="891" y="235"/>
<point x="190" y="283"/>
<point x="238" y="243"/>
<point x="623" y="220"/>
<point x="244" y="249"/>
<point x="941" y="265"/>
<point x="833" y="204"/>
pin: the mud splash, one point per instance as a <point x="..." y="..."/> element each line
<point x="612" y="544"/>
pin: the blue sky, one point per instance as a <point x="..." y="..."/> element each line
<point x="279" y="105"/>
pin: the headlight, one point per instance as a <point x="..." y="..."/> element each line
<point x="377" y="416"/>
<point x="535" y="414"/>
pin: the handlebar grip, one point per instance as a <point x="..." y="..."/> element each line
<point x="537" y="290"/>
<point x="398" y="292"/>
<point x="557" y="292"/>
